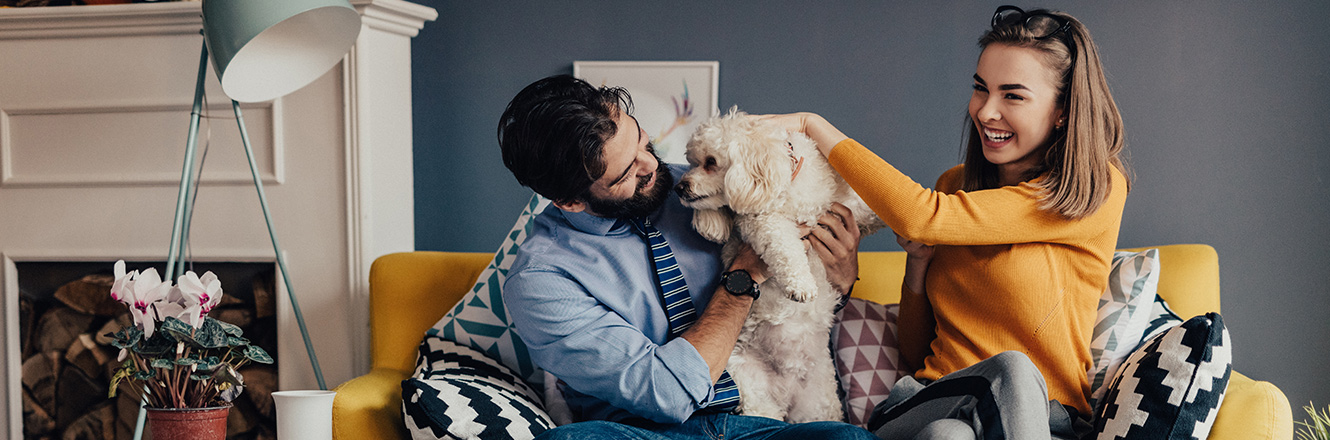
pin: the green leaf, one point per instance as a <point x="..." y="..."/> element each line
<point x="120" y="373"/>
<point x="230" y="329"/>
<point x="199" y="377"/>
<point x="159" y="344"/>
<point x="163" y="363"/>
<point x="257" y="354"/>
<point x="144" y="375"/>
<point x="179" y="330"/>
<point x="209" y="363"/>
<point x="210" y="335"/>
<point x="126" y="337"/>
<point x="236" y="341"/>
<point x="185" y="361"/>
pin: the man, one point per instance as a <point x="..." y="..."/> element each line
<point x="584" y="292"/>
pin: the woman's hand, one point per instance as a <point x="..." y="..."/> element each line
<point x="918" y="256"/>
<point x="815" y="127"/>
<point x="915" y="250"/>
<point x="836" y="240"/>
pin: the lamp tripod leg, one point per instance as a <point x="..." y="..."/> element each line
<point x="272" y="234"/>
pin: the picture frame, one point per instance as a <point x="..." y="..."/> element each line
<point x="670" y="98"/>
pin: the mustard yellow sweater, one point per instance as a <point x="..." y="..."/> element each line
<point x="1005" y="275"/>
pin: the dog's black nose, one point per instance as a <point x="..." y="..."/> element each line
<point x="682" y="189"/>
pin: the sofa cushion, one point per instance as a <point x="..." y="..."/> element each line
<point x="867" y="356"/>
<point x="480" y="320"/>
<point x="1172" y="386"/>
<point x="460" y="393"/>
<point x="1123" y="315"/>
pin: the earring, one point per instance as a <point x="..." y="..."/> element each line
<point x="1062" y="123"/>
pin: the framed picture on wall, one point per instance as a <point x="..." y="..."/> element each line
<point x="669" y="97"/>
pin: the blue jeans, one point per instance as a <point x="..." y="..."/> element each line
<point x="711" y="427"/>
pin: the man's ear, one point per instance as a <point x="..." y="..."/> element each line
<point x="570" y="206"/>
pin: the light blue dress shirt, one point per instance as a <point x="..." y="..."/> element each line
<point x="582" y="294"/>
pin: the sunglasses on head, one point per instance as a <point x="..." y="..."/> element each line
<point x="1040" y="24"/>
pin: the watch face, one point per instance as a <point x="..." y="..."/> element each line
<point x="738" y="281"/>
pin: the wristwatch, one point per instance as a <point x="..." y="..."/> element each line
<point x="738" y="282"/>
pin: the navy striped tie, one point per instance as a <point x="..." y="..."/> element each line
<point x="679" y="308"/>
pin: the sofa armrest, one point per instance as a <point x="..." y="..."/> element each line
<point x="1254" y="410"/>
<point x="370" y="406"/>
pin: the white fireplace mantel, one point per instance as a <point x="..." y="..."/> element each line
<point x="94" y="109"/>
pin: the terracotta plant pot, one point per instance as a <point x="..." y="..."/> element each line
<point x="188" y="423"/>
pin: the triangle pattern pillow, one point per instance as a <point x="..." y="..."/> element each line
<point x="1123" y="316"/>
<point x="867" y="356"/>
<point x="480" y="320"/>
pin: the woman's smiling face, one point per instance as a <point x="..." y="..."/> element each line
<point x="1015" y="108"/>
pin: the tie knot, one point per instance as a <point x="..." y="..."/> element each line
<point x="642" y="225"/>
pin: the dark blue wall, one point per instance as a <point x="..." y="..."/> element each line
<point x="1226" y="110"/>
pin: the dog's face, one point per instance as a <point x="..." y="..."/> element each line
<point x="738" y="163"/>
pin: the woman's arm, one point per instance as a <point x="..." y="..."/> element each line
<point x="916" y="323"/>
<point x="1006" y="215"/>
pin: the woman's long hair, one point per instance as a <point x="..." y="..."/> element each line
<point x="1076" y="164"/>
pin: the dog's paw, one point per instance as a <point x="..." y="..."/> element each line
<point x="801" y="290"/>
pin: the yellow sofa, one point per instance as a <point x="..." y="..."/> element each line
<point x="410" y="291"/>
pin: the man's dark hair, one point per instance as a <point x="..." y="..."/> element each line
<point x="553" y="134"/>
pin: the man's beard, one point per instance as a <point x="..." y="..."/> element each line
<point x="644" y="200"/>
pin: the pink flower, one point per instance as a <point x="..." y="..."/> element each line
<point x="142" y="292"/>
<point x="122" y="281"/>
<point x="199" y="296"/>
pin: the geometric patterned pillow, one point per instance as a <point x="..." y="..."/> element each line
<point x="480" y="319"/>
<point x="1170" y="388"/>
<point x="1123" y="315"/>
<point x="459" y="393"/>
<point x="867" y="356"/>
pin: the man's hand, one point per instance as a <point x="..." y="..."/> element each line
<point x="836" y="240"/>
<point x="748" y="260"/>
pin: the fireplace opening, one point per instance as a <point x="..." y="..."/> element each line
<point x="65" y="309"/>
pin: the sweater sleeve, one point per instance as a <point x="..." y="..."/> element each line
<point x="1005" y="215"/>
<point x="916" y="328"/>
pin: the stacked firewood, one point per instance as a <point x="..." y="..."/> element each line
<point x="68" y="362"/>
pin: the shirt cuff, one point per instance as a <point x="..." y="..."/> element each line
<point x="687" y="365"/>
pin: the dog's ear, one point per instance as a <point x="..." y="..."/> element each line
<point x="713" y="224"/>
<point x="760" y="171"/>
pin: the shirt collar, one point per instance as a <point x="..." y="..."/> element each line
<point x="591" y="224"/>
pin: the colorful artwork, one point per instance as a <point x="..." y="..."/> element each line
<point x="669" y="97"/>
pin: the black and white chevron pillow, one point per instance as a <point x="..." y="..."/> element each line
<point x="1171" y="387"/>
<point x="460" y="393"/>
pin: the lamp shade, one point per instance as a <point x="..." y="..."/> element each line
<point x="263" y="49"/>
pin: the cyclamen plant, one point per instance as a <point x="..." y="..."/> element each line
<point x="175" y="355"/>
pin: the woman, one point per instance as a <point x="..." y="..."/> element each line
<point x="1007" y="259"/>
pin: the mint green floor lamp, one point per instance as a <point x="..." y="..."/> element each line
<point x="261" y="50"/>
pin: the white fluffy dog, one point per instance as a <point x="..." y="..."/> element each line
<point x="757" y="180"/>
